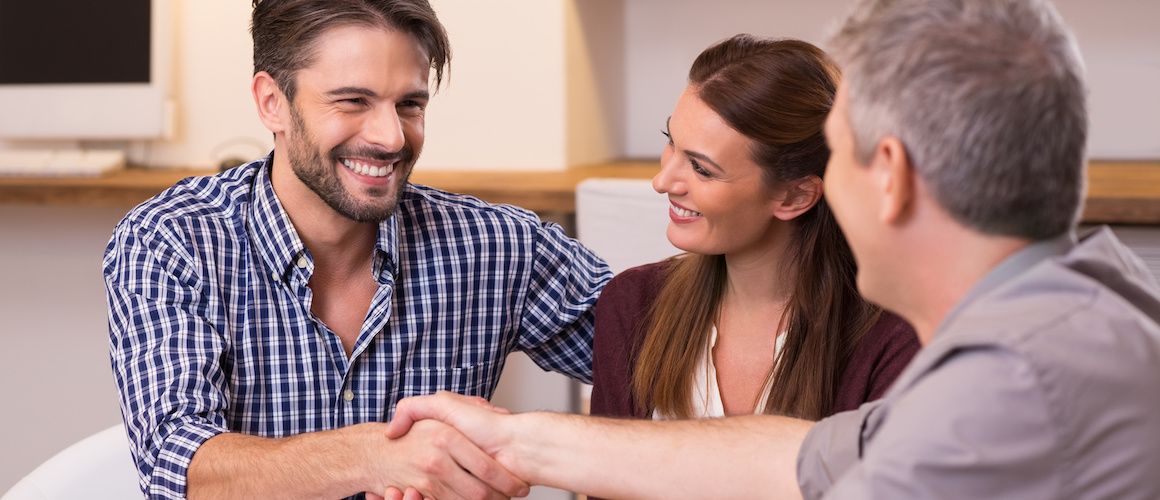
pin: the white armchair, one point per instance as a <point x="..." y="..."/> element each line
<point x="98" y="467"/>
<point x="623" y="221"/>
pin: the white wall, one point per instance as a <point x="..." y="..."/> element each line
<point x="1118" y="38"/>
<point x="1120" y="43"/>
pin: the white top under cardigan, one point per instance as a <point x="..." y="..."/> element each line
<point x="707" y="396"/>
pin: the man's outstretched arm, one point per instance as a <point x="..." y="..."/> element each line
<point x="738" y="457"/>
<point x="435" y="459"/>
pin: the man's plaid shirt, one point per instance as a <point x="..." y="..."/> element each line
<point x="211" y="329"/>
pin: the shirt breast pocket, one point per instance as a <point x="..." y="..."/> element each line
<point x="473" y="380"/>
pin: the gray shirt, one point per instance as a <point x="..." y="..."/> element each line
<point x="1043" y="383"/>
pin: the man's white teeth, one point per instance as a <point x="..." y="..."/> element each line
<point x="684" y="213"/>
<point x="367" y="170"/>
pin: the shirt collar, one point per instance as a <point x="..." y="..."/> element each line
<point x="278" y="243"/>
<point x="1014" y="265"/>
<point x="274" y="236"/>
<point x="386" y="249"/>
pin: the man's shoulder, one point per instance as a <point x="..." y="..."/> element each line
<point x="1059" y="321"/>
<point x="419" y="201"/>
<point x="217" y="196"/>
<point x="1060" y="300"/>
<point x="1057" y="346"/>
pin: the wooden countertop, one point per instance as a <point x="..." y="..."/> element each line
<point x="1118" y="192"/>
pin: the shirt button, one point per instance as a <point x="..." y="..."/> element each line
<point x="348" y="395"/>
<point x="275" y="276"/>
<point x="302" y="262"/>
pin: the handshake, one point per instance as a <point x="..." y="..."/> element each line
<point x="469" y="449"/>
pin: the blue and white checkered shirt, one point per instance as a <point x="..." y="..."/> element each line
<point x="211" y="329"/>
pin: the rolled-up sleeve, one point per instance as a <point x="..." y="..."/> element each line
<point x="978" y="426"/>
<point x="165" y="356"/>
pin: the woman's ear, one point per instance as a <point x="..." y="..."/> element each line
<point x="270" y="101"/>
<point x="798" y="197"/>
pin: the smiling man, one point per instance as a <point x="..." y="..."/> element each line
<point x="265" y="321"/>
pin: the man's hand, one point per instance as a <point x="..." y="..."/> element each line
<point x="475" y="417"/>
<point x="473" y="413"/>
<point x="439" y="462"/>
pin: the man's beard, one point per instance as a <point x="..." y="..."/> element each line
<point x="318" y="174"/>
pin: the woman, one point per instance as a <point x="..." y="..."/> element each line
<point x="761" y="314"/>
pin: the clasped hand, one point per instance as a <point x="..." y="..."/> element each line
<point x="456" y="445"/>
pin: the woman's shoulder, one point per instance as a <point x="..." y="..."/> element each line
<point x="626" y="301"/>
<point x="637" y="284"/>
<point x="890" y="326"/>
<point x="881" y="355"/>
<point x="621" y="314"/>
<point x="890" y="340"/>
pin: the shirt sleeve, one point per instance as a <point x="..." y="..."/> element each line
<point x="558" y="318"/>
<point x="978" y="426"/>
<point x="831" y="448"/>
<point x="165" y="356"/>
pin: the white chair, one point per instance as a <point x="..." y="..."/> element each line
<point x="624" y="221"/>
<point x="98" y="467"/>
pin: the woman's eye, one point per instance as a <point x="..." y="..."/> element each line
<point x="699" y="169"/>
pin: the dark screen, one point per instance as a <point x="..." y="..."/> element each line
<point x="71" y="41"/>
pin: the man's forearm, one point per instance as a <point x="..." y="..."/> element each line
<point x="327" y="464"/>
<point x="739" y="457"/>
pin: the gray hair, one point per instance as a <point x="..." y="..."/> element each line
<point x="988" y="98"/>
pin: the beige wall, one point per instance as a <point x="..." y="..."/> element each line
<point x="504" y="105"/>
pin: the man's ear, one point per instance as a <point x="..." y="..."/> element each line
<point x="894" y="178"/>
<point x="799" y="196"/>
<point x="271" y="102"/>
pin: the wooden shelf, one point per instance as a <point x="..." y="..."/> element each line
<point x="1123" y="193"/>
<point x="1118" y="192"/>
<point x="541" y="191"/>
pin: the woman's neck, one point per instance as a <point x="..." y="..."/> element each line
<point x="761" y="276"/>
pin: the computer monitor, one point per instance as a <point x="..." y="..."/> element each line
<point x="96" y="70"/>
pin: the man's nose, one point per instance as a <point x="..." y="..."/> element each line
<point x="385" y="129"/>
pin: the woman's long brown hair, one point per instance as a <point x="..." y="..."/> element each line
<point x="777" y="93"/>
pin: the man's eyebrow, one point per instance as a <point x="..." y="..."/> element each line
<point x="418" y="94"/>
<point x="363" y="91"/>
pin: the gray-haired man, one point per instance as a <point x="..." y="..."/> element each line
<point x="957" y="174"/>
